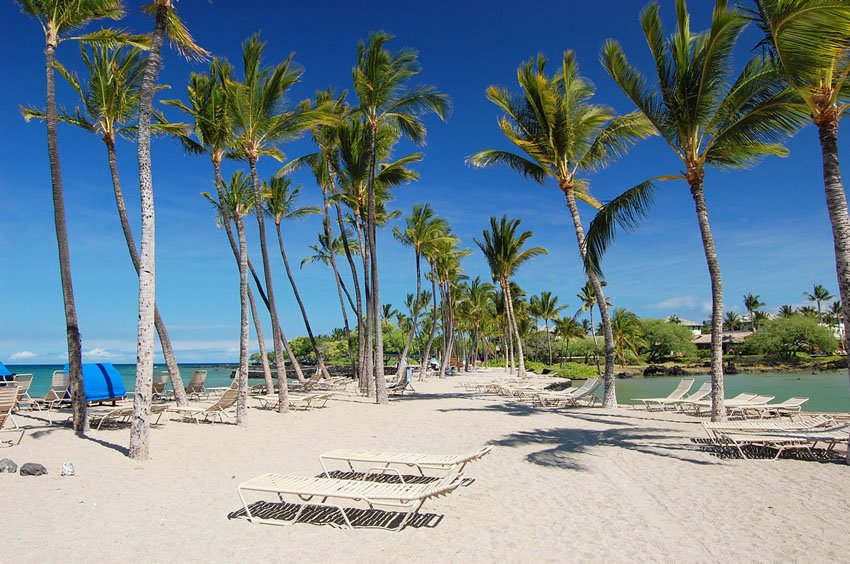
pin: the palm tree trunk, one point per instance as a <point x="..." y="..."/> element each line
<point x="261" y="340"/>
<point x="283" y="404"/>
<point x="609" y="396"/>
<point x="72" y="328"/>
<point x="836" y="203"/>
<point x="520" y="354"/>
<point x="361" y="337"/>
<point x="339" y="285"/>
<point x="402" y="365"/>
<point x="319" y="358"/>
<point x="718" y="408"/>
<point x="242" y="394"/>
<point x="369" y="327"/>
<point x="159" y="324"/>
<point x="380" y="382"/>
<point x="140" y="428"/>
<point x="548" y="340"/>
<point x="426" y="357"/>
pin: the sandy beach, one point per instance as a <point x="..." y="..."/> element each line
<point x="583" y="484"/>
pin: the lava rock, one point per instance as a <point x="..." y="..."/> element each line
<point x="33" y="469"/>
<point x="558" y="386"/>
<point x="7" y="465"/>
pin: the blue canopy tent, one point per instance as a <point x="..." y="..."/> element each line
<point x="102" y="381"/>
<point x="5" y="375"/>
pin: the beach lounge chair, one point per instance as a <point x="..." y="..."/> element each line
<point x="160" y="381"/>
<point x="565" y="399"/>
<point x="405" y="498"/>
<point x="740" y="399"/>
<point x="688" y="401"/>
<point x="24" y="381"/>
<point x="791" y="406"/>
<point x="714" y="429"/>
<point x="217" y="409"/>
<point x="405" y="385"/>
<point x="55" y="395"/>
<point x="8" y="399"/>
<point x="781" y="441"/>
<point x="685" y="385"/>
<point x="297" y="400"/>
<point x="195" y="388"/>
<point x="122" y="414"/>
<point x="452" y="464"/>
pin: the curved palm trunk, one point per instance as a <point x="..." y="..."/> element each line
<point x="261" y="341"/>
<point x="320" y="360"/>
<point x="369" y="327"/>
<point x="836" y="203"/>
<point x="72" y="328"/>
<point x="361" y="337"/>
<point x="609" y="397"/>
<point x="402" y="365"/>
<point x="718" y="408"/>
<point x="375" y="313"/>
<point x="242" y="394"/>
<point x="283" y="404"/>
<point x="426" y="357"/>
<point x="520" y="355"/>
<point x="140" y="428"/>
<point x="159" y="324"/>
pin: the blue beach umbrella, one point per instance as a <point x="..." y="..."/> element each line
<point x="5" y="375"/>
<point x="102" y="381"/>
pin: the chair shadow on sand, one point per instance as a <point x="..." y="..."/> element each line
<point x="730" y="452"/>
<point x="318" y="515"/>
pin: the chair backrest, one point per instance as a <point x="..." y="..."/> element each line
<point x="160" y="381"/>
<point x="592" y="384"/>
<point x="794" y="402"/>
<point x="701" y="393"/>
<point x="227" y="399"/>
<point x="24" y="381"/>
<point x="685" y="384"/>
<point x="761" y="400"/>
<point x="58" y="386"/>
<point x="744" y="397"/>
<point x="8" y="398"/>
<point x="196" y="382"/>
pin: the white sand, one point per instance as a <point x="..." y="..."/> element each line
<point x="575" y="485"/>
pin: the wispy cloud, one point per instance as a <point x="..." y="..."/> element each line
<point x="98" y="353"/>
<point x="22" y="355"/>
<point x="679" y="302"/>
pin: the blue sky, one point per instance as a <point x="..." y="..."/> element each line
<point x="770" y="223"/>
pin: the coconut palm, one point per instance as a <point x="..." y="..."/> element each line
<point x="752" y="303"/>
<point x="627" y="331"/>
<point x="478" y="306"/>
<point x="731" y="321"/>
<point x="707" y="120"/>
<point x="808" y="311"/>
<point x="58" y="18"/>
<point x="785" y="311"/>
<point x="819" y="295"/>
<point x="381" y="81"/>
<point x="166" y="22"/>
<point x="281" y="205"/>
<point x="759" y="318"/>
<point x="565" y="137"/>
<point x="207" y="107"/>
<point x="546" y="307"/>
<point x="587" y="295"/>
<point x="323" y="252"/>
<point x="568" y="329"/>
<point x="809" y="38"/>
<point x="110" y="100"/>
<point x="422" y="232"/>
<point x="503" y="249"/>
<point x="238" y="201"/>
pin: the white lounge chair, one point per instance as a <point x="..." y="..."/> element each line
<point x="123" y="414"/>
<point x="702" y="392"/>
<point x="791" y="406"/>
<point x="8" y="399"/>
<point x="406" y="498"/>
<point x="195" y="388"/>
<point x="781" y="441"/>
<point x="714" y="429"/>
<point x="568" y="397"/>
<point x="453" y="464"/>
<point x="215" y="410"/>
<point x="685" y="385"/>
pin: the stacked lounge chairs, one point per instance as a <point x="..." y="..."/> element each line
<point x="795" y="434"/>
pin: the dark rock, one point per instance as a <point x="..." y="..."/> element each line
<point x="730" y="368"/>
<point x="7" y="465"/>
<point x="33" y="469"/>
<point x="561" y="385"/>
<point x="658" y="370"/>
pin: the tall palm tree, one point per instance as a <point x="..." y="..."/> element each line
<point x="707" y="120"/>
<point x="503" y="249"/>
<point x="166" y="22"/>
<point x="565" y="137"/>
<point x="587" y="296"/>
<point x="422" y="232"/>
<point x="809" y="38"/>
<point x="819" y="295"/>
<point x="381" y="81"/>
<point x="110" y="100"/>
<point x="568" y="329"/>
<point x="260" y="120"/>
<point x="281" y="205"/>
<point x="58" y="18"/>
<point x="478" y="307"/>
<point x="238" y="201"/>
<point x="546" y="307"/>
<point x="752" y="303"/>
<point x="627" y="333"/>
<point x="785" y="311"/>
<point x="731" y="321"/>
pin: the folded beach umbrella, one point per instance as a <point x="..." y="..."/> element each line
<point x="102" y="381"/>
<point x="5" y="375"/>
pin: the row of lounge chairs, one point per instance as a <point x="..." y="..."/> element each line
<point x="533" y="391"/>
<point x="797" y="433"/>
<point x="405" y="497"/>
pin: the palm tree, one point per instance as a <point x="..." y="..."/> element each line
<point x="731" y="321"/>
<point x="587" y="295"/>
<point x="166" y="21"/>
<point x="819" y="295"/>
<point x="546" y="307"/>
<point x="238" y="202"/>
<point x="260" y="120"/>
<point x="785" y="311"/>
<point x="752" y="303"/>
<point x="214" y="133"/>
<point x="381" y="81"/>
<point x="479" y="305"/>
<point x="627" y="333"/>
<point x="808" y="311"/>
<point x="503" y="249"/>
<point x="566" y="138"/>
<point x="422" y="232"/>
<point x="759" y="318"/>
<point x="707" y="120"/>
<point x="280" y="204"/>
<point x="56" y="18"/>
<point x="809" y="38"/>
<point x="110" y="100"/>
<point x="568" y="329"/>
<point x="836" y="311"/>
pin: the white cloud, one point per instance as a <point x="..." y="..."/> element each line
<point x="100" y="354"/>
<point x="22" y="355"/>
<point x="677" y="302"/>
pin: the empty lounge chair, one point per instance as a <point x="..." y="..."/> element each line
<point x="195" y="388"/>
<point x="569" y="398"/>
<point x="452" y="464"/>
<point x="8" y="399"/>
<point x="215" y="410"/>
<point x="685" y="385"/>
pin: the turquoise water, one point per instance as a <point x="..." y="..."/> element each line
<point x="827" y="391"/>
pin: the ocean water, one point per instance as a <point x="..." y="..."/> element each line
<point x="827" y="391"/>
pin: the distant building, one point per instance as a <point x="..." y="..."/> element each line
<point x="730" y="339"/>
<point x="696" y="328"/>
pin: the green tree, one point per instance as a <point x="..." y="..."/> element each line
<point x="731" y="321"/>
<point x="708" y="119"/>
<point x="628" y="333"/>
<point x="785" y="337"/>
<point x="819" y="295"/>
<point x="665" y="339"/>
<point x="785" y="311"/>
<point x="565" y="137"/>
<point x="381" y="81"/>
<point x="752" y="303"/>
<point x="546" y="307"/>
<point x="567" y="328"/>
